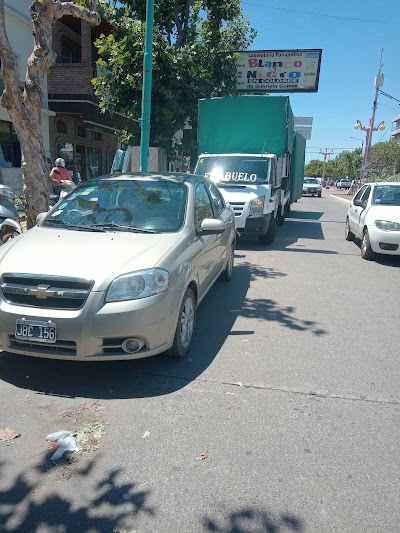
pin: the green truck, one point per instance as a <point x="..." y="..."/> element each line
<point x="249" y="148"/>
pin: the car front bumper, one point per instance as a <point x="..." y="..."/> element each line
<point x="384" y="242"/>
<point x="97" y="331"/>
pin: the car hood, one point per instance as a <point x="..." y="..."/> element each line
<point x="384" y="212"/>
<point x="95" y="256"/>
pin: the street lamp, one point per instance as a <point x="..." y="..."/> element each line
<point x="362" y="142"/>
<point x="368" y="129"/>
<point x="325" y="154"/>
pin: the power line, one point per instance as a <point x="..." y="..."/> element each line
<point x="322" y="14"/>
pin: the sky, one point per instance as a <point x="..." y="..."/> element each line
<point x="351" y="34"/>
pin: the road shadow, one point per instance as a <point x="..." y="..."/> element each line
<point x="251" y="519"/>
<point x="27" y="506"/>
<point x="158" y="375"/>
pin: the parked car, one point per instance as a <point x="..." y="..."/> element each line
<point x="343" y="184"/>
<point x="374" y="216"/>
<point x="116" y="269"/>
<point x="312" y="186"/>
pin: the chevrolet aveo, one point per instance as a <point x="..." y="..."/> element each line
<point x="116" y="269"/>
<point x="374" y="217"/>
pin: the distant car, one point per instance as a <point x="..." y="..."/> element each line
<point x="374" y="217"/>
<point x="116" y="269"/>
<point x="344" y="184"/>
<point x="312" y="186"/>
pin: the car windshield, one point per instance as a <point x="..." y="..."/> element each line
<point x="313" y="181"/>
<point x="386" y="195"/>
<point x="143" y="205"/>
<point x="233" y="169"/>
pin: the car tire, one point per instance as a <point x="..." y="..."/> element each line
<point x="366" y="250"/>
<point x="185" y="327"/>
<point x="280" y="219"/>
<point x="319" y="195"/>
<point x="226" y="275"/>
<point x="269" y="237"/>
<point x="348" y="234"/>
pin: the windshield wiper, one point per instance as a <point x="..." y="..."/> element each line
<point x="119" y="227"/>
<point x="67" y="225"/>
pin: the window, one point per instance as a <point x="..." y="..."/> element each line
<point x="61" y="127"/>
<point x="360" y="193"/>
<point x="94" y="162"/>
<point x="203" y="207"/>
<point x="216" y="198"/>
<point x="366" y="194"/>
<point x="70" y="51"/>
<point x="80" y="131"/>
<point x="10" y="148"/>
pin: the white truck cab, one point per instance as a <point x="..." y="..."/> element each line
<point x="253" y="186"/>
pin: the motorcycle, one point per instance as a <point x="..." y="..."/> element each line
<point x="10" y="226"/>
<point x="68" y="187"/>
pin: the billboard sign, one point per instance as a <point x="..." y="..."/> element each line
<point x="278" y="71"/>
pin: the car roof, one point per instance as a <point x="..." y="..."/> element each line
<point x="375" y="183"/>
<point x="177" y="177"/>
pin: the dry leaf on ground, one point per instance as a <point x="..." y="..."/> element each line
<point x="8" y="434"/>
<point x="202" y="456"/>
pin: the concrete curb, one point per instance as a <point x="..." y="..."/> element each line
<point x="340" y="198"/>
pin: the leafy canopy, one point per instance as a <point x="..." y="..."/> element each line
<point x="193" y="57"/>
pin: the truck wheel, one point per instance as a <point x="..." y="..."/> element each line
<point x="269" y="237"/>
<point x="348" y="234"/>
<point x="287" y="208"/>
<point x="185" y="327"/>
<point x="280" y="219"/>
<point x="366" y="250"/>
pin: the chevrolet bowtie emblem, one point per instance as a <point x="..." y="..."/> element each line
<point x="41" y="291"/>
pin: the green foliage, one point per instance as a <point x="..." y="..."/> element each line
<point x="314" y="168"/>
<point x="193" y="57"/>
<point x="384" y="161"/>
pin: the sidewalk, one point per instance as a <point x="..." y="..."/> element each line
<point x="340" y="195"/>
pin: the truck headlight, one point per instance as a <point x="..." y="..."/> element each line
<point x="257" y="206"/>
<point x="387" y="225"/>
<point x="140" y="284"/>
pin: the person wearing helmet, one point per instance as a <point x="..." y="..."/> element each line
<point x="60" y="178"/>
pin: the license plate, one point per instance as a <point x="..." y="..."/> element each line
<point x="36" y="331"/>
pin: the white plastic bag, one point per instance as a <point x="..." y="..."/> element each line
<point x="62" y="441"/>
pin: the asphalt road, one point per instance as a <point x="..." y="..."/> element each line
<point x="285" y="417"/>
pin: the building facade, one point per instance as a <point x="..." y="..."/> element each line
<point x="395" y="134"/>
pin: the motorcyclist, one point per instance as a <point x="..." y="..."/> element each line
<point x="59" y="176"/>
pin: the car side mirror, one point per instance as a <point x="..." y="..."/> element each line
<point x="358" y="203"/>
<point x="212" y="226"/>
<point x="40" y="217"/>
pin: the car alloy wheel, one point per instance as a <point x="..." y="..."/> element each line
<point x="348" y="234"/>
<point x="366" y="250"/>
<point x="187" y="321"/>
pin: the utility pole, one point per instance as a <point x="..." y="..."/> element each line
<point x="325" y="154"/>
<point x="146" y="90"/>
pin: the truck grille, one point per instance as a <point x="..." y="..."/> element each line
<point x="46" y="292"/>
<point x="237" y="208"/>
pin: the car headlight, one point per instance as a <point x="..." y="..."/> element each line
<point x="257" y="206"/>
<point x="387" y="225"/>
<point x="140" y="284"/>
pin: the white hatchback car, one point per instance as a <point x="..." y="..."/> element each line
<point x="374" y="216"/>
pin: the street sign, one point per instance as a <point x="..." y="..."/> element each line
<point x="303" y="121"/>
<point x="304" y="131"/>
<point x="279" y="71"/>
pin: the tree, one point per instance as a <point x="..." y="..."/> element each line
<point x="24" y="105"/>
<point x="349" y="163"/>
<point x="193" y="57"/>
<point x="384" y="161"/>
<point x="314" y="168"/>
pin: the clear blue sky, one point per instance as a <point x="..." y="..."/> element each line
<point x="350" y="60"/>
